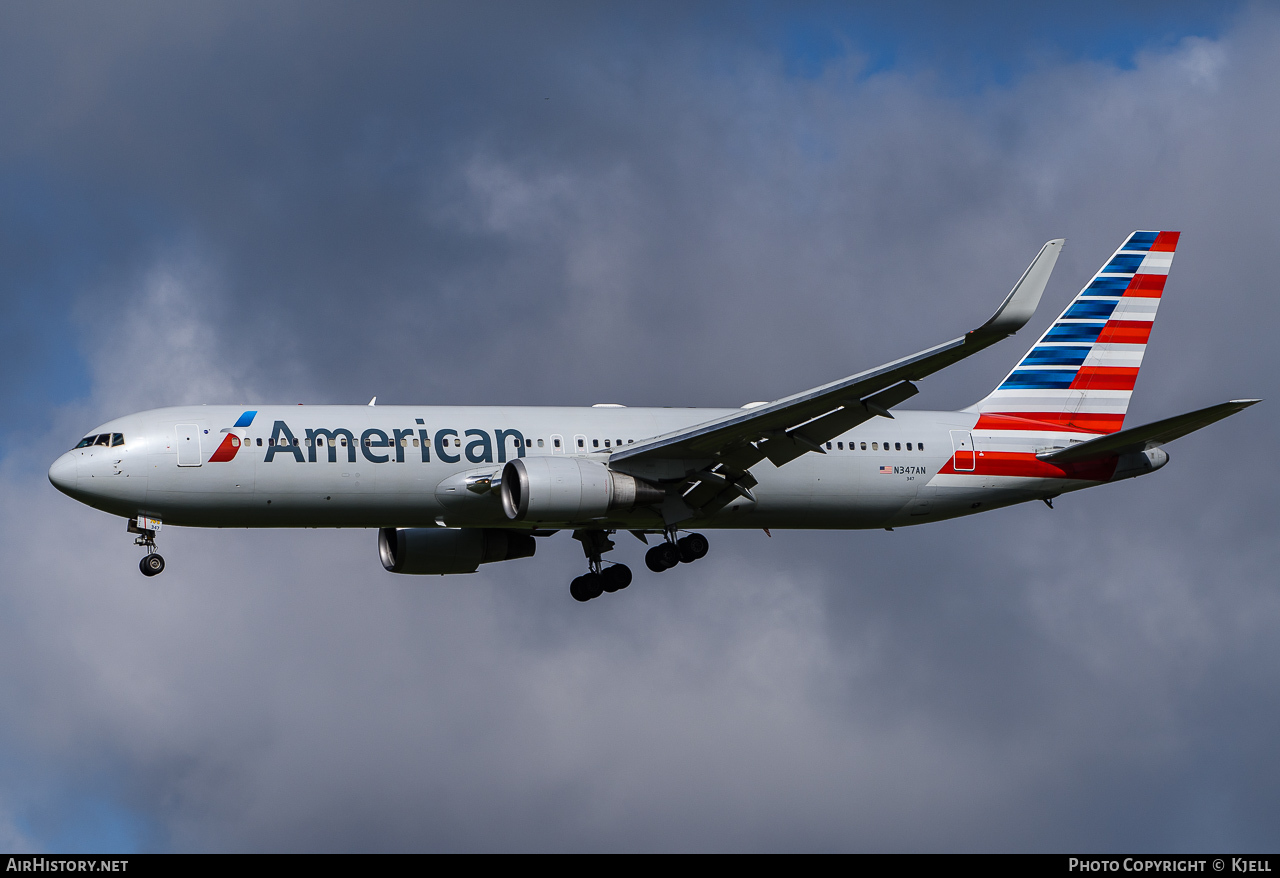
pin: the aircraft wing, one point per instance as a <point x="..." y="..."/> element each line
<point x="1147" y="436"/>
<point x="785" y="429"/>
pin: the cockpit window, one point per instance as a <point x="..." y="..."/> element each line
<point x="86" y="441"/>
<point x="117" y="439"/>
<point x="103" y="439"/>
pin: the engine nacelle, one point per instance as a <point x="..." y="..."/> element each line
<point x="439" y="550"/>
<point x="1139" y="463"/>
<point x="562" y="489"/>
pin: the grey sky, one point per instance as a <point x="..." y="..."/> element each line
<point x="584" y="204"/>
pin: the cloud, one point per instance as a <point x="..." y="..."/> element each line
<point x="567" y="210"/>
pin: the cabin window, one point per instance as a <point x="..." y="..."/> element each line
<point x="580" y="441"/>
<point x="295" y="443"/>
<point x="260" y="441"/>
<point x="457" y="443"/>
<point x="864" y="446"/>
<point x="632" y="442"/>
<point x="235" y="443"/>
<point x="343" y="440"/>
<point x="606" y="443"/>
<point x="908" y="446"/>
<point x="555" y="442"/>
<point x="415" y="443"/>
<point x="617" y="441"/>
<point x="828" y="446"/>
<point x="919" y="446"/>
<point x="875" y="446"/>
<point x="839" y="446"/>
<point x="897" y="446"/>
<point x="539" y="443"/>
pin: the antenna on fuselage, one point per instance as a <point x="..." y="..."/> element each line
<point x="373" y="401"/>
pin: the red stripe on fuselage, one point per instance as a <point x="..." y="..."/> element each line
<point x="1125" y="332"/>
<point x="1027" y="465"/>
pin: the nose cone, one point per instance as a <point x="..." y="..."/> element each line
<point x="63" y="474"/>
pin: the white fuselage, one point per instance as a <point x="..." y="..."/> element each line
<point x="418" y="466"/>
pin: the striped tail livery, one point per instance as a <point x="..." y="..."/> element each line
<point x="1078" y="377"/>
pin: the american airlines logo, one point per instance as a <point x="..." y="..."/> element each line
<point x="232" y="441"/>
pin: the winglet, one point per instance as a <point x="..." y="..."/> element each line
<point x="1023" y="299"/>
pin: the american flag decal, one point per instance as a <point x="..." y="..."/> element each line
<point x="886" y="470"/>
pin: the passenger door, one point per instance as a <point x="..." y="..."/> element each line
<point x="188" y="445"/>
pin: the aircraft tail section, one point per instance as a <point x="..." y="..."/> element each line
<point x="1079" y="376"/>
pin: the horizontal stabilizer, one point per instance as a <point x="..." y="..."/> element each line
<point x="1148" y="436"/>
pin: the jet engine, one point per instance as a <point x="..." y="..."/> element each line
<point x="555" y="489"/>
<point x="439" y="550"/>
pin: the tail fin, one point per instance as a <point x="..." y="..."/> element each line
<point x="1079" y="376"/>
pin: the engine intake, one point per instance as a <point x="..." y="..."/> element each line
<point x="437" y="550"/>
<point x="564" y="489"/>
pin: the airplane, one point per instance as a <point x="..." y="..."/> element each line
<point x="451" y="488"/>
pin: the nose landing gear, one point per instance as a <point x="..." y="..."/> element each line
<point x="146" y="529"/>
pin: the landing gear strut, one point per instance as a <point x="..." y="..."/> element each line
<point x="668" y="554"/>
<point x="146" y="529"/>
<point x="599" y="579"/>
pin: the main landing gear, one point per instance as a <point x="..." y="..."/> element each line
<point x="146" y="529"/>
<point x="666" y="555"/>
<point x="609" y="579"/>
<point x="599" y="579"/>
